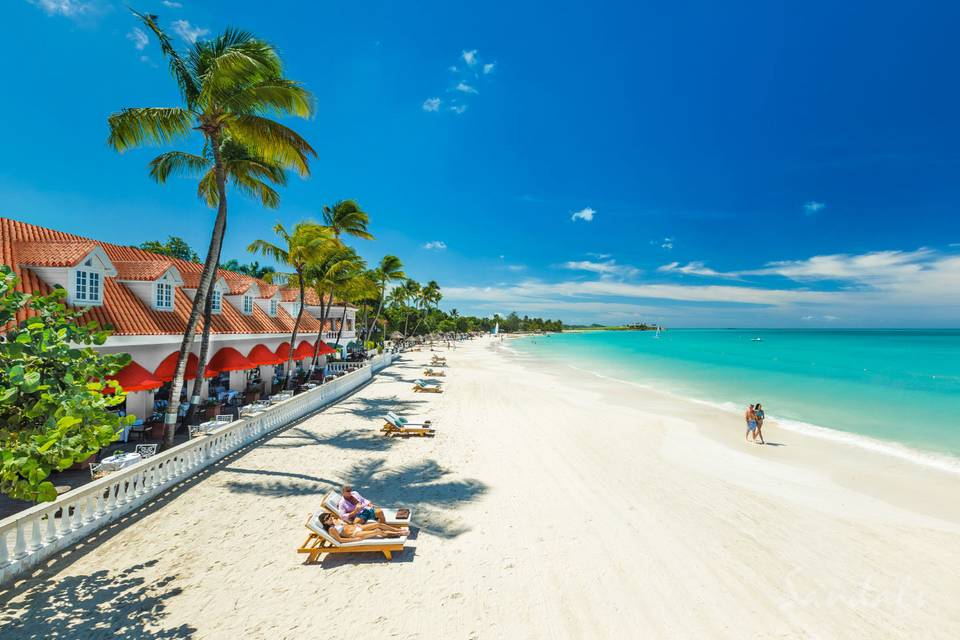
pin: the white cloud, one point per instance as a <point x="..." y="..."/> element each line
<point x="458" y="108"/>
<point x="435" y="245"/>
<point x="431" y="104"/>
<point x="598" y="256"/>
<point x="66" y="8"/>
<point x="470" y="57"/>
<point x="666" y="243"/>
<point x="605" y="268"/>
<point x="885" y="288"/>
<point x="171" y="4"/>
<point x="187" y="31"/>
<point x="463" y="87"/>
<point x="586" y="214"/>
<point x="813" y="207"/>
<point x="695" y="268"/>
<point x="488" y="68"/>
<point x="138" y="38"/>
<point x="452" y="68"/>
<point x="516" y="267"/>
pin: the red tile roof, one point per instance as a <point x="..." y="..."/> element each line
<point x="53" y="254"/>
<point x="141" y="270"/>
<point x="121" y="308"/>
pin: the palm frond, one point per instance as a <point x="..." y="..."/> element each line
<point x="272" y="95"/>
<point x="189" y="86"/>
<point x="275" y="143"/>
<point x="133" y="127"/>
<point x="177" y="163"/>
<point x="270" y="250"/>
<point x="254" y="188"/>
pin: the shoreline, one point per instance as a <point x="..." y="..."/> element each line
<point x="724" y="427"/>
<point x="939" y="460"/>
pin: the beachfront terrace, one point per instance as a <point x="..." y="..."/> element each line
<point x="32" y="535"/>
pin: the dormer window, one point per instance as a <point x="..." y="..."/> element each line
<point x="216" y="301"/>
<point x="273" y="307"/>
<point x="248" y="304"/>
<point x="164" y="296"/>
<point x="87" y="287"/>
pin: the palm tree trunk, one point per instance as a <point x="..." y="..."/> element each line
<point x="199" y="300"/>
<point x="323" y="322"/>
<point x="202" y="357"/>
<point x="373" y="327"/>
<point x="343" y="320"/>
<point x="293" y="338"/>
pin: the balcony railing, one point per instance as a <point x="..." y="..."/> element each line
<point x="31" y="536"/>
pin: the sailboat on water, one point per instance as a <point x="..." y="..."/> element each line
<point x="657" y="334"/>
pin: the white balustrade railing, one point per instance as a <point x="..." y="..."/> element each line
<point x="35" y="534"/>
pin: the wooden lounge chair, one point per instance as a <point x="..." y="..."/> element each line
<point x="331" y="500"/>
<point x="421" y="386"/>
<point x="435" y="374"/>
<point x="394" y="425"/>
<point x="319" y="541"/>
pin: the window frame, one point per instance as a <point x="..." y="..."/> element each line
<point x="167" y="297"/>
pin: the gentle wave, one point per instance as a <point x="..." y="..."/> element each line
<point x="941" y="462"/>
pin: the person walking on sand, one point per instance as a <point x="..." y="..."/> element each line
<point x="758" y="413"/>
<point x="751" y="419"/>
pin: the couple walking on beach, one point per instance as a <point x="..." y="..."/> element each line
<point x="754" y="417"/>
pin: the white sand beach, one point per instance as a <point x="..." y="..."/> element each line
<point x="549" y="505"/>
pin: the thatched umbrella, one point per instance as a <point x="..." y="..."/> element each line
<point x="396" y="335"/>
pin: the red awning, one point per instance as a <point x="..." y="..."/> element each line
<point x="165" y="369"/>
<point x="304" y="351"/>
<point x="283" y="351"/>
<point x="326" y="349"/>
<point x="133" y="377"/>
<point x="228" y="359"/>
<point x="260" y="355"/>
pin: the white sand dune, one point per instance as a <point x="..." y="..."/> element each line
<point x="548" y="506"/>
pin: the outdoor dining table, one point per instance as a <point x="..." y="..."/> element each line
<point x="120" y="461"/>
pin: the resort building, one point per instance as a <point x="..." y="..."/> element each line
<point x="146" y="298"/>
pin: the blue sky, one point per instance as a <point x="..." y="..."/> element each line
<point x="755" y="164"/>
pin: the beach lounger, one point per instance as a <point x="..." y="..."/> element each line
<point x="319" y="541"/>
<point x="422" y="386"/>
<point x="435" y="374"/>
<point x="394" y="425"/>
<point x="331" y="501"/>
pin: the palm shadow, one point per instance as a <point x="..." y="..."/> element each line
<point x="368" y="440"/>
<point x="374" y="407"/>
<point x="103" y="604"/>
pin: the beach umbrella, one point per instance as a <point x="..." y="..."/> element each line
<point x="396" y="335"/>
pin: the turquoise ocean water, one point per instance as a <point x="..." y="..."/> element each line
<point x="892" y="390"/>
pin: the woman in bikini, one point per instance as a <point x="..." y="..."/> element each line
<point x="343" y="532"/>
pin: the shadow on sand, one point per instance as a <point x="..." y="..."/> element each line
<point x="425" y="487"/>
<point x="121" y="604"/>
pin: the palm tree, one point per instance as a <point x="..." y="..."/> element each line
<point x="229" y="86"/>
<point x="389" y="270"/>
<point x="298" y="249"/>
<point x="429" y="296"/>
<point x="411" y="289"/>
<point x="251" y="175"/>
<point x="326" y="274"/>
<point x="345" y="217"/>
<point x="358" y="286"/>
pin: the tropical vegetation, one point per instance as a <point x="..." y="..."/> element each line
<point x="229" y="87"/>
<point x="54" y="411"/>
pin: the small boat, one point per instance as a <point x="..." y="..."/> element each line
<point x="657" y="334"/>
<point x="756" y="339"/>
